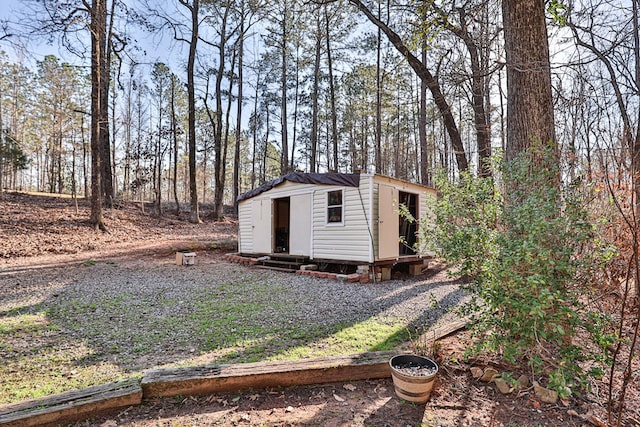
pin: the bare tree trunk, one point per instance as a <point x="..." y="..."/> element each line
<point x="477" y="98"/>
<point x="85" y="182"/>
<point x="478" y="77"/>
<point x="107" y="172"/>
<point x="127" y="140"/>
<point x="174" y="133"/>
<point x="112" y="142"/>
<point x="157" y="158"/>
<point x="59" y="168"/>
<point x="432" y="84"/>
<point x="225" y="146"/>
<point x="219" y="144"/>
<point x="74" y="192"/>
<point x="255" y="132"/>
<point x="205" y="164"/>
<point x="98" y="26"/>
<point x="378" y="133"/>
<point x="635" y="145"/>
<point x="332" y="95"/>
<point x="284" y="162"/>
<point x="194" y="8"/>
<point x="425" y="176"/>
<point x="2" y="143"/>
<point x="236" y="153"/>
<point x="263" y="172"/>
<point x="206" y="151"/>
<point x="296" y="103"/>
<point x="313" y="138"/>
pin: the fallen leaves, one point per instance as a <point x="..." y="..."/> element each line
<point x="33" y="225"/>
<point x="488" y="375"/>
<point x="476" y="372"/>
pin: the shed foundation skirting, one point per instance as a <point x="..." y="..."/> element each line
<point x="364" y="273"/>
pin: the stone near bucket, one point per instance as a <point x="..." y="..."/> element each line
<point x="413" y="377"/>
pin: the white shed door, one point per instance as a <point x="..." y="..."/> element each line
<point x="300" y="225"/>
<point x="262" y="225"/>
<point x="388" y="244"/>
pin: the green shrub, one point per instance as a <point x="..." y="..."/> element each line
<point x="524" y="253"/>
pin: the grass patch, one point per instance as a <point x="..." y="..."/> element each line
<point x="24" y="324"/>
<point x="38" y="360"/>
<point x="372" y="334"/>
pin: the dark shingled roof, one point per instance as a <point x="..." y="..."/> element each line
<point x="344" y="179"/>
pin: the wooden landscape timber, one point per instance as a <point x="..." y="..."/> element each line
<point x="199" y="380"/>
<point x="72" y="405"/>
<point x="85" y="403"/>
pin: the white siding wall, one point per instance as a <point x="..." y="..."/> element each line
<point x="300" y="225"/>
<point x="245" y="233"/>
<point x="375" y="207"/>
<point x="349" y="241"/>
<point x="423" y="210"/>
<point x="247" y="207"/>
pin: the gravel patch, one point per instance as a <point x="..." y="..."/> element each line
<point x="128" y="315"/>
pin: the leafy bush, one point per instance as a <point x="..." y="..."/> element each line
<point x="526" y="254"/>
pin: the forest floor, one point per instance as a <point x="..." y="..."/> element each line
<point x="40" y="230"/>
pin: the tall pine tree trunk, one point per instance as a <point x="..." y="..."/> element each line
<point x="107" y="171"/>
<point x="225" y="146"/>
<point x="236" y="153"/>
<point x="634" y="143"/>
<point x="98" y="31"/>
<point x="219" y="144"/>
<point x="284" y="161"/>
<point x="254" y="151"/>
<point x="425" y="175"/>
<point x="332" y="95"/>
<point x="530" y="120"/>
<point x="174" y="133"/>
<point x="313" y="161"/>
<point x="191" y="96"/>
<point x="378" y="132"/>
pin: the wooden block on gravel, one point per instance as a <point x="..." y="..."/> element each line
<point x="207" y="380"/>
<point x="71" y="405"/>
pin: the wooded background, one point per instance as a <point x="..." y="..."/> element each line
<point x="392" y="87"/>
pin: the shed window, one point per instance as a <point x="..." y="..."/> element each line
<point x="334" y="206"/>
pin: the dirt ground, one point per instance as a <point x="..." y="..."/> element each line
<point x="41" y="230"/>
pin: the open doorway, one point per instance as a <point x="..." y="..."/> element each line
<point x="408" y="229"/>
<point x="281" y="224"/>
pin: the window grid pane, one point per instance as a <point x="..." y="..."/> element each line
<point x="334" y="206"/>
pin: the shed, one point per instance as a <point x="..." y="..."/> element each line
<point x="333" y="218"/>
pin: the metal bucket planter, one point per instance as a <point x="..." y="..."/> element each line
<point x="413" y="377"/>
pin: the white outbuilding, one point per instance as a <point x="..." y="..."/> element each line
<point x="334" y="218"/>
